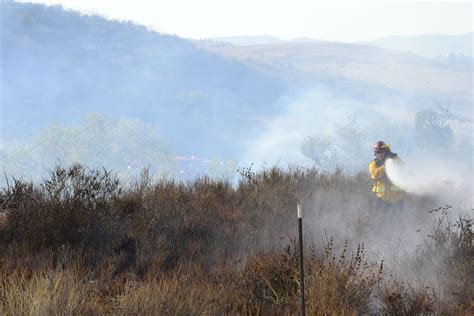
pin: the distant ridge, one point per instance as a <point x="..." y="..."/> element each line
<point x="248" y="40"/>
<point x="428" y="45"/>
<point x="362" y="71"/>
<point x="259" y="40"/>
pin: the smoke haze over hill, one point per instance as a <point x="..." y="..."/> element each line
<point x="214" y="102"/>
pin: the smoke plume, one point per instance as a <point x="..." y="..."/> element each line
<point x="448" y="180"/>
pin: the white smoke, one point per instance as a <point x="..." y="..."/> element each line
<point x="446" y="179"/>
<point x="310" y="112"/>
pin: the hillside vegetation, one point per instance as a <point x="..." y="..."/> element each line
<point x="207" y="99"/>
<point x="429" y="45"/>
<point x="59" y="65"/>
<point x="82" y="243"/>
<point x="361" y="72"/>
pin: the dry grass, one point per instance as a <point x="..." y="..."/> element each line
<point x="82" y="244"/>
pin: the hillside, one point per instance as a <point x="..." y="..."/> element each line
<point x="247" y="40"/>
<point x="58" y="65"/>
<point x="428" y="45"/>
<point x="209" y="99"/>
<point x="377" y="72"/>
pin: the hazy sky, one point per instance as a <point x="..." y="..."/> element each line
<point x="334" y="20"/>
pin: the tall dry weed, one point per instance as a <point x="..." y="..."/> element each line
<point x="160" y="247"/>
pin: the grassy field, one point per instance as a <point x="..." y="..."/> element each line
<point x="82" y="243"/>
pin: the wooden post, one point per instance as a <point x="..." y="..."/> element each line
<point x="300" y="239"/>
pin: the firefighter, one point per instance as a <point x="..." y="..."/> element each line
<point x="386" y="192"/>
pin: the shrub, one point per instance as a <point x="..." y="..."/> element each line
<point x="207" y="247"/>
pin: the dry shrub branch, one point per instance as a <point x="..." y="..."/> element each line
<point x="81" y="243"/>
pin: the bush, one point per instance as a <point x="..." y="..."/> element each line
<point x="73" y="208"/>
<point x="208" y="247"/>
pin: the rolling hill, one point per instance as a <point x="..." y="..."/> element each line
<point x="58" y="65"/>
<point x="208" y="98"/>
<point x="428" y="45"/>
<point x="346" y="67"/>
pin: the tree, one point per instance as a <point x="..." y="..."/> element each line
<point x="322" y="150"/>
<point x="433" y="130"/>
<point x="126" y="146"/>
<point x="352" y="141"/>
<point x="346" y="149"/>
<point x="351" y="146"/>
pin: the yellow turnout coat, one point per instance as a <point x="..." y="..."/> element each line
<point x="383" y="188"/>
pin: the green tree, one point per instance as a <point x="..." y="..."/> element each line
<point x="322" y="150"/>
<point x="126" y="146"/>
<point x="433" y="130"/>
<point x="352" y="140"/>
<point x="351" y="146"/>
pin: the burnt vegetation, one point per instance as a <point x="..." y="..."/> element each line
<point x="82" y="243"/>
